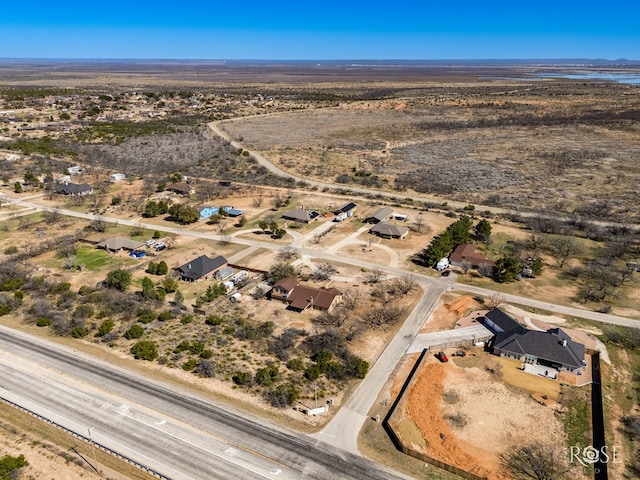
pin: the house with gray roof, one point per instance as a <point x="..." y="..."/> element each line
<point x="74" y="189"/>
<point x="116" y="244"/>
<point x="299" y="215"/>
<point x="389" y="230"/>
<point x="379" y="215"/>
<point x="553" y="349"/>
<point x="201" y="267"/>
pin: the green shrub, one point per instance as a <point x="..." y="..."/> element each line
<point x="206" y="354"/>
<point x="189" y="364"/>
<point x="296" y="364"/>
<point x="214" y="320"/>
<point x="145" y="350"/>
<point x="135" y="331"/>
<point x="11" y="250"/>
<point x="187" y="319"/>
<point x="79" y="332"/>
<point x="242" y="378"/>
<point x="43" y="321"/>
<point x="267" y="376"/>
<point x="105" y="327"/>
<point x="182" y="346"/>
<point x="10" y="466"/>
<point x="145" y="315"/>
<point x="164" y="316"/>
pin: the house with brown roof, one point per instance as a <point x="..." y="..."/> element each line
<point x="467" y="253"/>
<point x="299" y="297"/>
<point x="181" y="188"/>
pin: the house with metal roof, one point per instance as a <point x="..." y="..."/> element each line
<point x="379" y="215"/>
<point x="344" y="212"/>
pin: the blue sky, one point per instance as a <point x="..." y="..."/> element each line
<point x="214" y="29"/>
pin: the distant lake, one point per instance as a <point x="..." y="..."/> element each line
<point x="629" y="78"/>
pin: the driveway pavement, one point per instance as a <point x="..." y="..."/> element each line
<point x="426" y="340"/>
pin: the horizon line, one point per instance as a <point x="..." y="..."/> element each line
<point x="315" y="60"/>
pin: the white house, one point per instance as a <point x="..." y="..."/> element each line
<point x="116" y="177"/>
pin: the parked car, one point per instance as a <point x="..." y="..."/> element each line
<point x="148" y="243"/>
<point x="446" y="273"/>
<point x="159" y="245"/>
<point x="460" y="353"/>
<point x="442" y="357"/>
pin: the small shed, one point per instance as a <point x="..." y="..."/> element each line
<point x="235" y="297"/>
<point x="116" y="177"/>
<point x="224" y="273"/>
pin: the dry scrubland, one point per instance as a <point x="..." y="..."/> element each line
<point x="558" y="147"/>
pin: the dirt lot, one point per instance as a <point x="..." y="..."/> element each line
<point x="466" y="418"/>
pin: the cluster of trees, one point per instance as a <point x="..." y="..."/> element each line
<point x="160" y="268"/>
<point x="456" y="234"/>
<point x="183" y="214"/>
<point x="153" y="208"/>
<point x="272" y="227"/>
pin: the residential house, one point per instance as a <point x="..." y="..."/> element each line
<point x="389" y="230"/>
<point x="207" y="212"/>
<point x="299" y="297"/>
<point x="466" y="253"/>
<point x="344" y="212"/>
<point x="201" y="267"/>
<point x="500" y="322"/>
<point x="553" y="349"/>
<point x="117" y="244"/>
<point x="73" y="189"/>
<point x="233" y="212"/>
<point x="181" y="188"/>
<point x="299" y="215"/>
<point x="379" y="215"/>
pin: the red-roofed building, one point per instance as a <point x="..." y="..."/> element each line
<point x="300" y="297"/>
<point x="467" y="253"/>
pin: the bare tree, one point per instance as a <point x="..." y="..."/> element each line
<point x="496" y="301"/>
<point x="419" y="223"/>
<point x="536" y="461"/>
<point x="287" y="253"/>
<point x="405" y="284"/>
<point x="324" y="272"/>
<point x="562" y="248"/>
<point x="465" y="265"/>
<point x="382" y="315"/>
<point x="374" y="276"/>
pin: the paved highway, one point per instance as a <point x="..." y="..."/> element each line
<point x="173" y="432"/>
